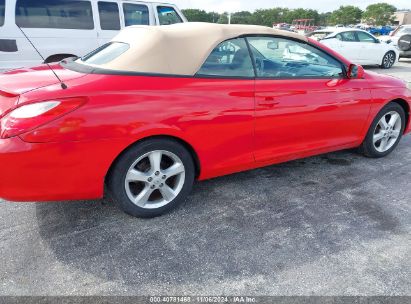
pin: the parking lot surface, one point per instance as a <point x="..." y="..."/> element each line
<point x="336" y="224"/>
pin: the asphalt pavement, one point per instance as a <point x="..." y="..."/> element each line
<point x="336" y="224"/>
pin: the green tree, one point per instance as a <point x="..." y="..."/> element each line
<point x="324" y="19"/>
<point x="223" y="18"/>
<point x="243" y="17"/>
<point x="380" y="13"/>
<point x="346" y="15"/>
<point x="196" y="15"/>
<point x="268" y="17"/>
<point x="214" y="16"/>
<point x="301" y="13"/>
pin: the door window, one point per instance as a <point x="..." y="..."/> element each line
<point x="285" y="58"/>
<point x="2" y="11"/>
<point x="229" y="59"/>
<point x="168" y="15"/>
<point x="109" y="16"/>
<point x="347" y="36"/>
<point x="62" y="14"/>
<point x="364" y="37"/>
<point x="136" y="14"/>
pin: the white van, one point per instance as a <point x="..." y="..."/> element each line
<point x="65" y="28"/>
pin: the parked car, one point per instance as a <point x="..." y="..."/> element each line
<point x="362" y="48"/>
<point x="66" y="28"/>
<point x="401" y="38"/>
<point x="160" y="107"/>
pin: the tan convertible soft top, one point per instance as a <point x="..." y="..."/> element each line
<point x="178" y="49"/>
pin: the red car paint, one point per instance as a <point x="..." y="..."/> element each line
<point x="231" y="125"/>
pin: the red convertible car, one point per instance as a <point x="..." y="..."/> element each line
<point x="160" y="107"/>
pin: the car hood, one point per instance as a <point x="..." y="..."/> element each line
<point x="20" y="81"/>
<point x="383" y="81"/>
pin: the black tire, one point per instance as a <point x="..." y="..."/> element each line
<point x="368" y="148"/>
<point x="404" y="43"/>
<point x="116" y="182"/>
<point x="388" y="60"/>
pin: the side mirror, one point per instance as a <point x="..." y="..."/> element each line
<point x="272" y="45"/>
<point x="355" y="71"/>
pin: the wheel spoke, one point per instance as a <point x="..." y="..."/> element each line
<point x="136" y="176"/>
<point x="175" y="169"/>
<point x="395" y="134"/>
<point x="393" y="120"/>
<point x="384" y="143"/>
<point x="167" y="193"/>
<point x="143" y="196"/>
<point x="383" y="124"/>
<point x="378" y="137"/>
<point x="155" y="160"/>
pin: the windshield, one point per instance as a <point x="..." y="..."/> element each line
<point x="105" y="53"/>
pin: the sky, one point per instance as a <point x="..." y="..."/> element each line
<point x="251" y="5"/>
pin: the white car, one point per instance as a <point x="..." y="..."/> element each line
<point x="361" y="47"/>
<point x="68" y="28"/>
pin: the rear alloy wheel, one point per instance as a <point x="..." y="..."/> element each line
<point x="152" y="177"/>
<point x="388" y="60"/>
<point x="385" y="132"/>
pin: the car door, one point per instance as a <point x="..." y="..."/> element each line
<point x="304" y="103"/>
<point x="371" y="51"/>
<point x="222" y="94"/>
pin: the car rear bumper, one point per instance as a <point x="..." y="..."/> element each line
<point x="54" y="171"/>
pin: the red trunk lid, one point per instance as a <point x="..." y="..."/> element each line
<point x="16" y="82"/>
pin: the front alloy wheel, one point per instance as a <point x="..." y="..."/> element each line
<point x="388" y="60"/>
<point x="152" y="177"/>
<point x="385" y="132"/>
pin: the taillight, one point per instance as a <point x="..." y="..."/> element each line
<point x="30" y="116"/>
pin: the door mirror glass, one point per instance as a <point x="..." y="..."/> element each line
<point x="355" y="72"/>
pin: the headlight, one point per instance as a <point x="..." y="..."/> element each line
<point x="408" y="85"/>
